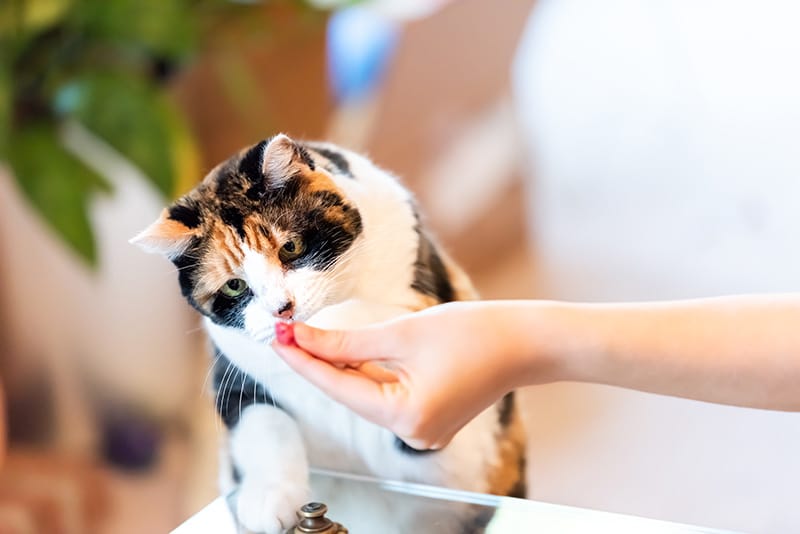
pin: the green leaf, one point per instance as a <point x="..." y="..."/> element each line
<point x="57" y="184"/>
<point x="5" y="110"/>
<point x="135" y="119"/>
<point x="30" y="16"/>
<point x="164" y="27"/>
<point x="185" y="153"/>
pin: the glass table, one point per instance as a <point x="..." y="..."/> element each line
<point x="367" y="505"/>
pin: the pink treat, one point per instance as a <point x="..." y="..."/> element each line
<point x="284" y="332"/>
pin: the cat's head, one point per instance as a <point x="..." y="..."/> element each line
<point x="265" y="235"/>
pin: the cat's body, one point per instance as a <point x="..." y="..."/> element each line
<point x="312" y="232"/>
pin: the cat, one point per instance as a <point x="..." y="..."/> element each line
<point x="308" y="231"/>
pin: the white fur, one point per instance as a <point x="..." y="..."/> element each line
<point x="267" y="448"/>
<point x="375" y="278"/>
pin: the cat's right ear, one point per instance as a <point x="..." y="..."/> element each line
<point x="165" y="236"/>
<point x="276" y="159"/>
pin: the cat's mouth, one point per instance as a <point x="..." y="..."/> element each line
<point x="266" y="333"/>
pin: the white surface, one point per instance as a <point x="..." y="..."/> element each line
<point x="665" y="138"/>
<point x="511" y="513"/>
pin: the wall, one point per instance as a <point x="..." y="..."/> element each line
<point x="665" y="141"/>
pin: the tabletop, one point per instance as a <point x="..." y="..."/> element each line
<point x="367" y="505"/>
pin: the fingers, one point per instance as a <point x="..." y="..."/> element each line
<point x="347" y="386"/>
<point x="376" y="372"/>
<point x="340" y="346"/>
<point x="370" y="390"/>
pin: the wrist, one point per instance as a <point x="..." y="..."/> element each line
<point x="543" y="345"/>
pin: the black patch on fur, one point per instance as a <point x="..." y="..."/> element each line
<point x="506" y="409"/>
<point x="263" y="230"/>
<point x="329" y="199"/>
<point x="256" y="191"/>
<point x="326" y="239"/>
<point x="233" y="217"/>
<point x="187" y="265"/>
<point x="227" y="311"/>
<point x="283" y="195"/>
<point x="304" y="156"/>
<point x="230" y="186"/>
<point x="408" y="449"/>
<point x="252" y="163"/>
<point x="430" y="274"/>
<point x="339" y="162"/>
<point x="235" y="390"/>
<point x="189" y="216"/>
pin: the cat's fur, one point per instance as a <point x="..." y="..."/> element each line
<point x="366" y="258"/>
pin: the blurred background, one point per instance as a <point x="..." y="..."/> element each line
<point x="577" y="150"/>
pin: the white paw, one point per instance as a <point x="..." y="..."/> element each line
<point x="270" y="509"/>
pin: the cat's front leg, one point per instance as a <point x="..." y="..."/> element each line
<point x="269" y="456"/>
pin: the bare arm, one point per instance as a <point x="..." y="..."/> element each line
<point x="741" y="350"/>
<point x="450" y="362"/>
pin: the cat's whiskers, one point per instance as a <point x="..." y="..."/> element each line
<point x="221" y="392"/>
<point x="179" y="269"/>
<point x="195" y="330"/>
<point x="338" y="270"/>
<point x="241" y="393"/>
<point x="270" y="384"/>
<point x="318" y="287"/>
<point x="285" y="213"/>
<point x="210" y="370"/>
<point x="351" y="252"/>
<point x="327" y="286"/>
<point x="255" y="392"/>
<point x="231" y="383"/>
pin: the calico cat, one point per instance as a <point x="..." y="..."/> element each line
<point x="301" y="231"/>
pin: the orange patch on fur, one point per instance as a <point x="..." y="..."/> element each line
<point x="166" y="235"/>
<point x="506" y="474"/>
<point x="257" y="236"/>
<point x="319" y="181"/>
<point x="221" y="264"/>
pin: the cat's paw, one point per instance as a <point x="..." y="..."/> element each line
<point x="270" y="509"/>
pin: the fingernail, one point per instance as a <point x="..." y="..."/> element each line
<point x="284" y="333"/>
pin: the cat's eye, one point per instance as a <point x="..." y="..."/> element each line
<point x="233" y="288"/>
<point x="291" y="250"/>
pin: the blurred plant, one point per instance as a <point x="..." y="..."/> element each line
<point x="102" y="63"/>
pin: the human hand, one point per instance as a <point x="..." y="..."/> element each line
<point x="427" y="374"/>
<point x="423" y="376"/>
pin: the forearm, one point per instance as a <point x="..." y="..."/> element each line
<point x="734" y="350"/>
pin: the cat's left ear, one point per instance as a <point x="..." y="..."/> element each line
<point x="277" y="158"/>
<point x="165" y="236"/>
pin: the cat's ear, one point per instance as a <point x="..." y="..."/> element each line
<point x="165" y="236"/>
<point x="277" y="158"/>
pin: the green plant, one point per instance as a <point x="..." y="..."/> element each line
<point x="101" y="63"/>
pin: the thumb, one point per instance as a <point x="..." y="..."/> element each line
<point x="341" y="346"/>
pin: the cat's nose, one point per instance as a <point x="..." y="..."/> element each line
<point x="284" y="312"/>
